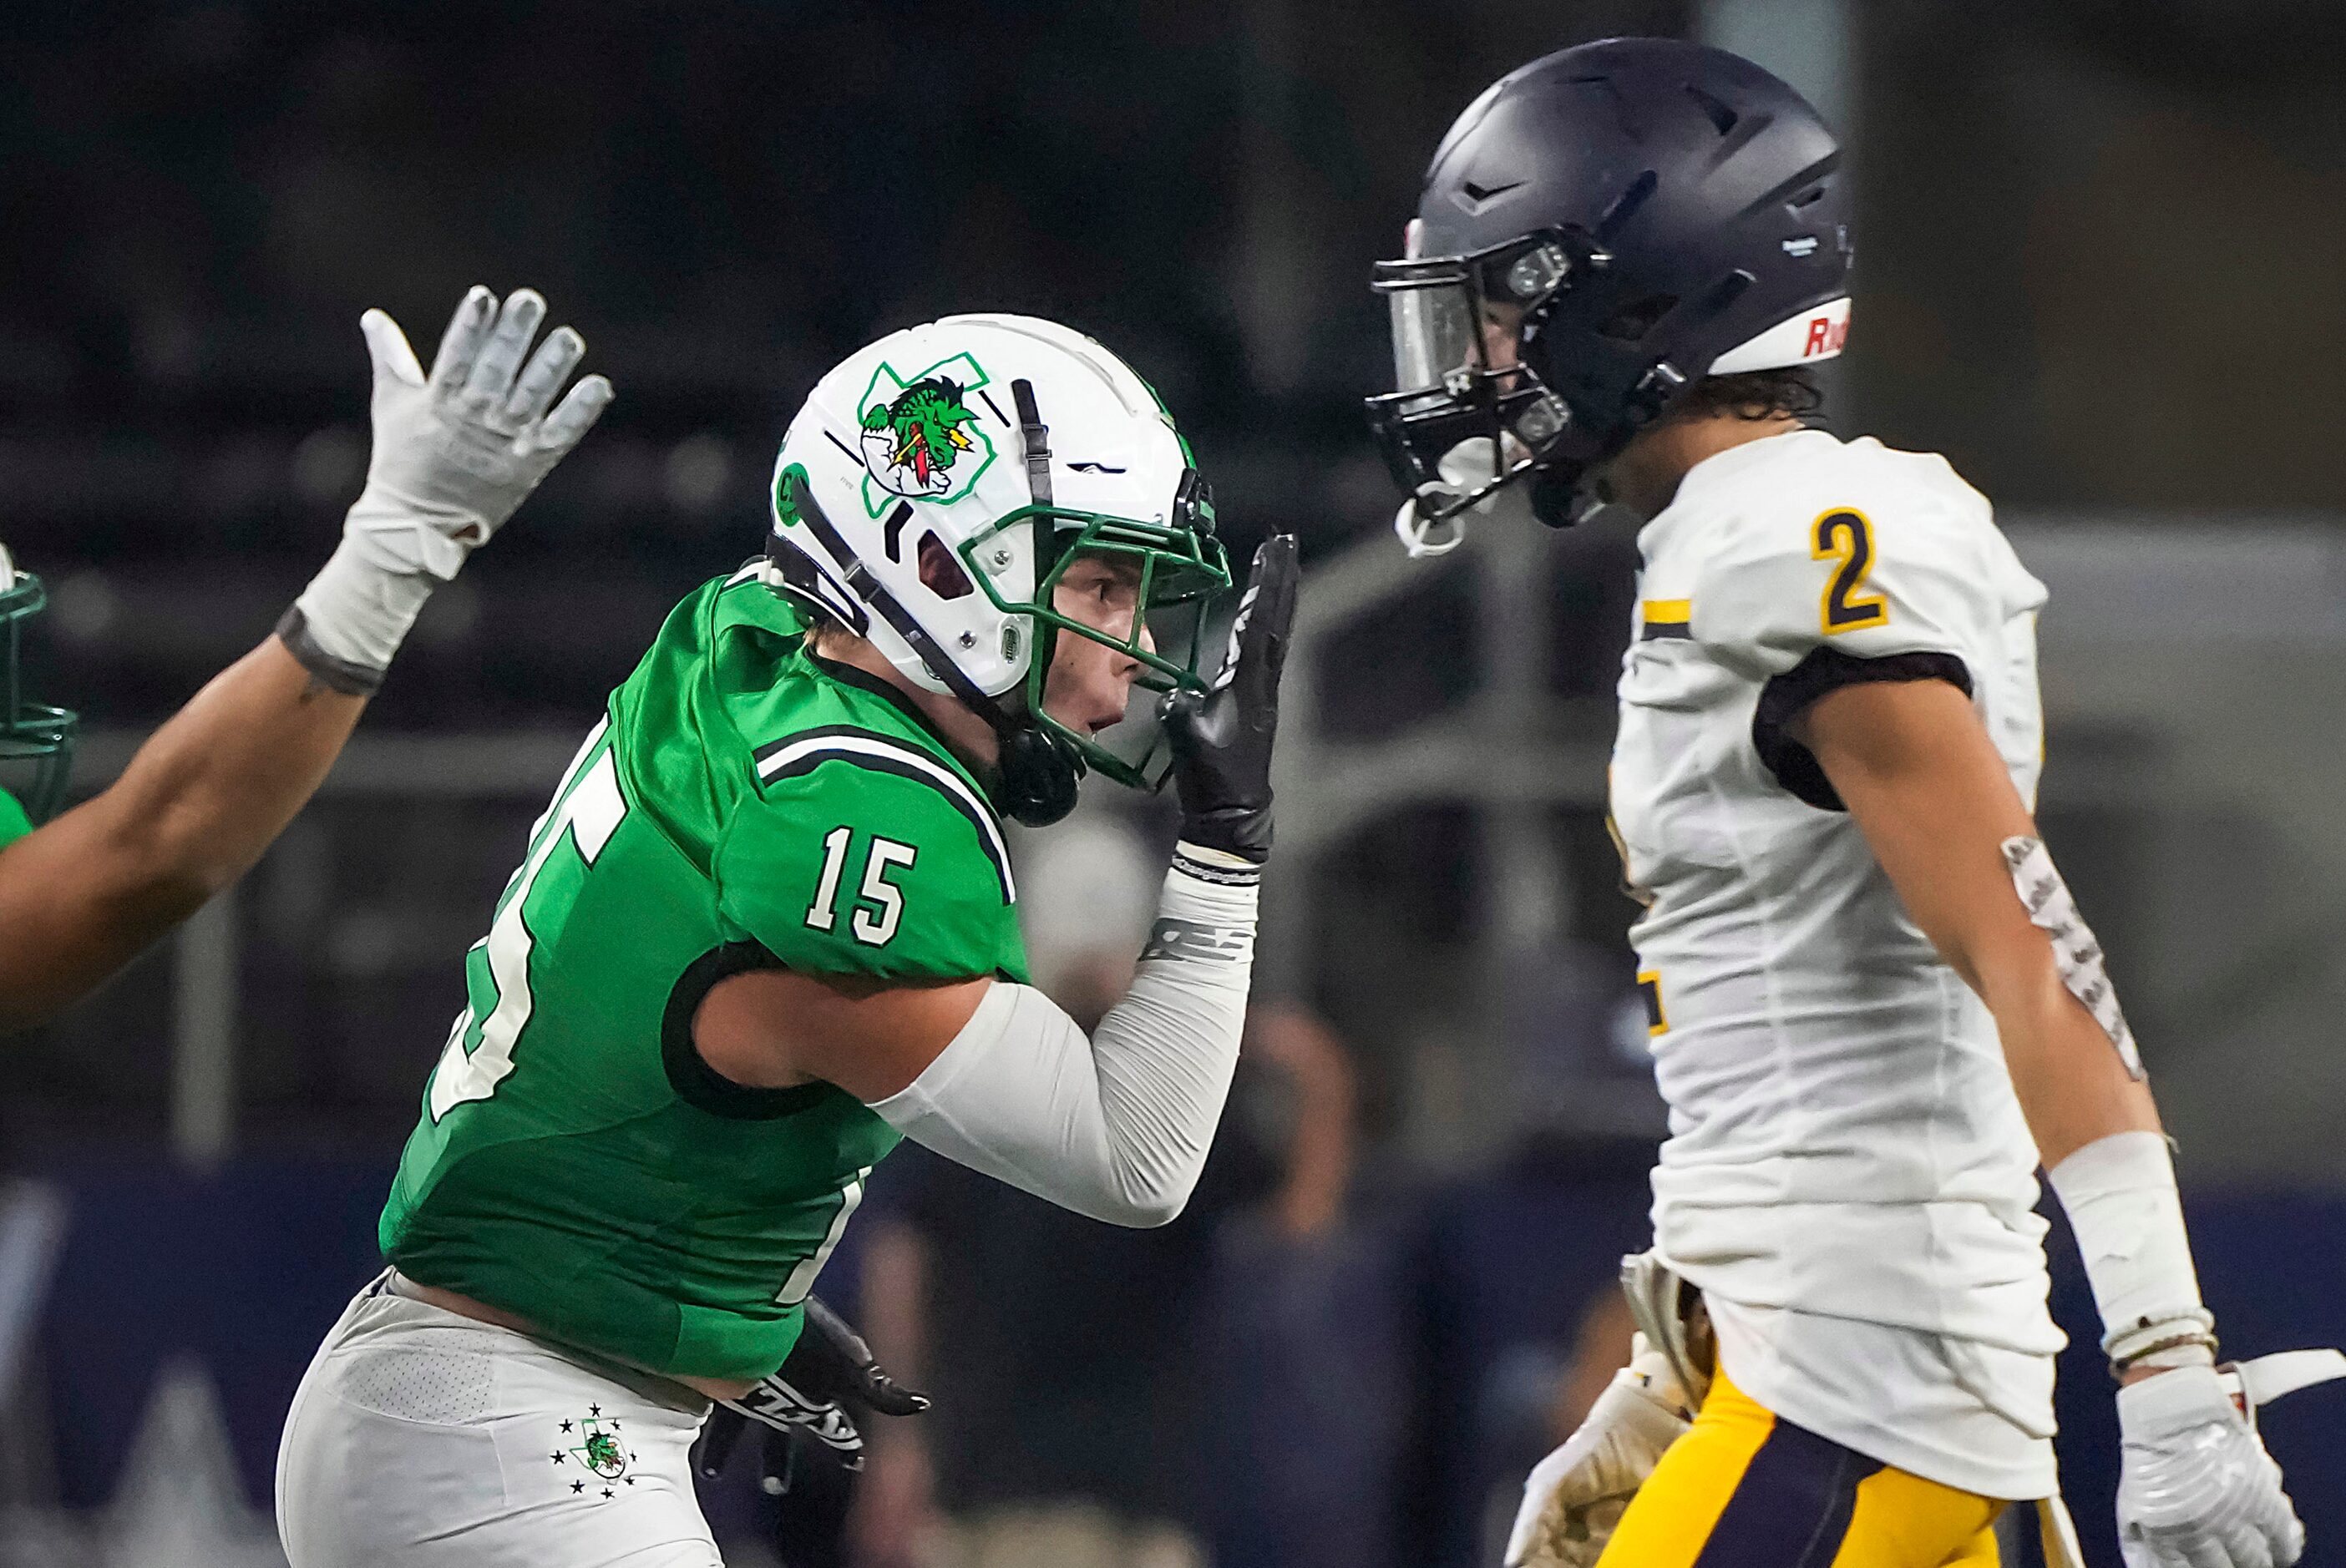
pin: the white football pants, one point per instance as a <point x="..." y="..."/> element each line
<point x="419" y="1437"/>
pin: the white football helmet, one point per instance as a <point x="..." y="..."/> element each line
<point x="935" y="485"/>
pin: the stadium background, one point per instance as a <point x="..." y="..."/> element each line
<point x="2099" y="266"/>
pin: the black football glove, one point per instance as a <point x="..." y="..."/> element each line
<point x="829" y="1369"/>
<point x="809" y="1502"/>
<point x="1222" y="738"/>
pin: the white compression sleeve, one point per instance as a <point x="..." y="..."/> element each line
<point x="1114" y="1126"/>
<point x="2119" y="1195"/>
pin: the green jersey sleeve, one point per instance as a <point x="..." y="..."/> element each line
<point x="14" y="823"/>
<point x="862" y="854"/>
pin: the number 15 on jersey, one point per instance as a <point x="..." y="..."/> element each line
<point x="587" y="810"/>
<point x="871" y="929"/>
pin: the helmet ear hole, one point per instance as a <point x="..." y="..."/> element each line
<point x="1632" y="322"/>
<point x="939" y="573"/>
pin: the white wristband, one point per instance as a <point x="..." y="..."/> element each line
<point x="2120" y="1196"/>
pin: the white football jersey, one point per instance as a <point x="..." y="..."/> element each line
<point x="1845" y="1141"/>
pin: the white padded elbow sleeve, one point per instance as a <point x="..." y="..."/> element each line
<point x="1114" y="1126"/>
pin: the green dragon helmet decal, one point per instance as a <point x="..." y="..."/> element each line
<point x="920" y="438"/>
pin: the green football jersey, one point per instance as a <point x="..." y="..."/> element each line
<point x="743" y="804"/>
<point x="14" y="823"/>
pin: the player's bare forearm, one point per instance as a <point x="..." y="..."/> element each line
<point x="195" y="806"/>
<point x="895" y="1293"/>
<point x="1926" y="787"/>
<point x="452" y="454"/>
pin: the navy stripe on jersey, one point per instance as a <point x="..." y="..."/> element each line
<point x="1793" y="1506"/>
<point x="804" y="752"/>
<point x="864" y="681"/>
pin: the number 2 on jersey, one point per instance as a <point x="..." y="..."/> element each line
<point x="877" y="889"/>
<point x="1846" y="537"/>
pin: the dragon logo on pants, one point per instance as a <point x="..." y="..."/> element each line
<point x="593" y="1440"/>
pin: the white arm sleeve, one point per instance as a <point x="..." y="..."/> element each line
<point x="1114" y="1126"/>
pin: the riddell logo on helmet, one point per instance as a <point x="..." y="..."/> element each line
<point x="1815" y="335"/>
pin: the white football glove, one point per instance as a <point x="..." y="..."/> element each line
<point x="1575" y="1497"/>
<point x="2197" y="1489"/>
<point x="453" y="454"/>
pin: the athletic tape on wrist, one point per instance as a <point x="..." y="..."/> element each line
<point x="335" y="674"/>
<point x="2075" y="953"/>
<point x="2185" y="1341"/>
<point x="360" y="608"/>
<point x="2120" y="1196"/>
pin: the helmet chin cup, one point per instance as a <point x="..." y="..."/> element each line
<point x="1039" y="777"/>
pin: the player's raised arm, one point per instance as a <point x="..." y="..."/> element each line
<point x="453" y="454"/>
<point x="1118" y="1126"/>
<point x="994" y="1075"/>
<point x="1923" y="781"/>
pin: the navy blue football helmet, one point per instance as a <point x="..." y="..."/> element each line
<point x="1599" y="231"/>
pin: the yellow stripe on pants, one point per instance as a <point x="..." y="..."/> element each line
<point x="1905" y="1521"/>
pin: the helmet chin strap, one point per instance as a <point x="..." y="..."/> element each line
<point x="1038" y="774"/>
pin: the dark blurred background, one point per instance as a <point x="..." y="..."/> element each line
<point x="2099" y="266"/>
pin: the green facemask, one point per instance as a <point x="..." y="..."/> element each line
<point x="36" y="740"/>
<point x="1182" y="570"/>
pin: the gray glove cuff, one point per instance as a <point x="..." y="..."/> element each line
<point x="334" y="674"/>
